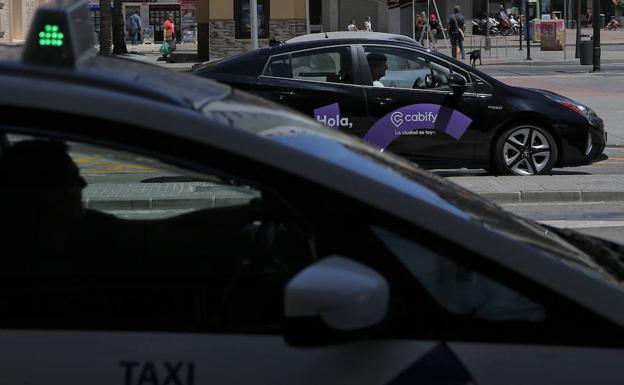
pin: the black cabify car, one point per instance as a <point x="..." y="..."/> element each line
<point x="417" y="103"/>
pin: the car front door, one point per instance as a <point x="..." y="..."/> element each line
<point x="319" y="83"/>
<point x="413" y="111"/>
<point x="169" y="275"/>
<point x="502" y="328"/>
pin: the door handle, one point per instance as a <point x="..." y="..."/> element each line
<point x="285" y="94"/>
<point x="384" y="100"/>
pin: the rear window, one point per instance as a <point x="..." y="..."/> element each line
<point x="331" y="65"/>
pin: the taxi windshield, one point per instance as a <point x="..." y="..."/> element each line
<point x="364" y="158"/>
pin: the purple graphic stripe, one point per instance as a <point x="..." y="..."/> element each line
<point x="328" y="113"/>
<point x="417" y="117"/>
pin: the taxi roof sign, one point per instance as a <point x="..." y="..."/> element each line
<point x="61" y="34"/>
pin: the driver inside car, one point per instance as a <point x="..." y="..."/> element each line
<point x="42" y="207"/>
<point x="378" y="64"/>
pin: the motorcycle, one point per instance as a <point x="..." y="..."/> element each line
<point x="516" y="26"/>
<point x="613" y="25"/>
<point x="505" y="26"/>
<point x="478" y="26"/>
<point x="494" y="27"/>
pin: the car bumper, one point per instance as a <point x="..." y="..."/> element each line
<point x="587" y="146"/>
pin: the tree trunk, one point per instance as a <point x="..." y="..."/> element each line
<point x="119" y="30"/>
<point x="105" y="36"/>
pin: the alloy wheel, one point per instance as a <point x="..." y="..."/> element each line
<point x="526" y="151"/>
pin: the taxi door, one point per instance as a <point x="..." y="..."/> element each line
<point x="413" y="111"/>
<point x="319" y="83"/>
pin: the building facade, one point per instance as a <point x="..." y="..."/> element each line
<point x="400" y="11"/>
<point x="337" y="14"/>
<point x="401" y="19"/>
<point x="224" y="25"/>
<point x="15" y="19"/>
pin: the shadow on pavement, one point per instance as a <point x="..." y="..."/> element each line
<point x="480" y="172"/>
<point x="174" y="179"/>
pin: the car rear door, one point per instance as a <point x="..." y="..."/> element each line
<point x="318" y="82"/>
<point x="413" y="111"/>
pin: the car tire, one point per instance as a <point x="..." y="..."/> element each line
<point x="525" y="149"/>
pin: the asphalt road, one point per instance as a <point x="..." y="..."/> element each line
<point x="602" y="91"/>
<point x="600" y="219"/>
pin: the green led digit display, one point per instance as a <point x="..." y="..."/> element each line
<point x="51" y="36"/>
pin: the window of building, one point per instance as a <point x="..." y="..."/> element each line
<point x="242" y="16"/>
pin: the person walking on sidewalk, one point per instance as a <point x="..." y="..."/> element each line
<point x="418" y="27"/>
<point x="456" y="32"/>
<point x="434" y="26"/>
<point x="368" y="25"/>
<point x="134" y="25"/>
<point x="589" y="18"/>
<point x="169" y="36"/>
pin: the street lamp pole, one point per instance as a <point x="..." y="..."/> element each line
<point x="414" y="19"/>
<point x="307" y="5"/>
<point x="526" y="29"/>
<point x="253" y="15"/>
<point x="578" y="29"/>
<point x="520" y="24"/>
<point x="596" y="24"/>
<point x="487" y="26"/>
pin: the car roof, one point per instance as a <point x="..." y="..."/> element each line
<point x="130" y="76"/>
<point x="343" y="35"/>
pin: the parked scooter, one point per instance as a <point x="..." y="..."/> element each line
<point x="516" y="26"/>
<point x="494" y="27"/>
<point x="504" y="26"/>
<point x="613" y="25"/>
<point x="478" y="26"/>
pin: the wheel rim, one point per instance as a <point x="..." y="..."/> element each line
<point x="526" y="151"/>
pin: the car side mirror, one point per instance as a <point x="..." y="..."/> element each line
<point x="333" y="301"/>
<point x="457" y="83"/>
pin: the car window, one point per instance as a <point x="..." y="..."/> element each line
<point x="115" y="239"/>
<point x="406" y="69"/>
<point x="332" y="65"/>
<point x="459" y="290"/>
<point x="279" y="66"/>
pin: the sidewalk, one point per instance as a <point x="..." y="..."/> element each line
<point x="504" y="51"/>
<point x="163" y="196"/>
<point x="545" y="188"/>
<point x="500" y="189"/>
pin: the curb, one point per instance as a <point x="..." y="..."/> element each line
<point x="553" y="196"/>
<point x="214" y="202"/>
<point x="186" y="67"/>
<point x="537" y="62"/>
<point x="163" y="203"/>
